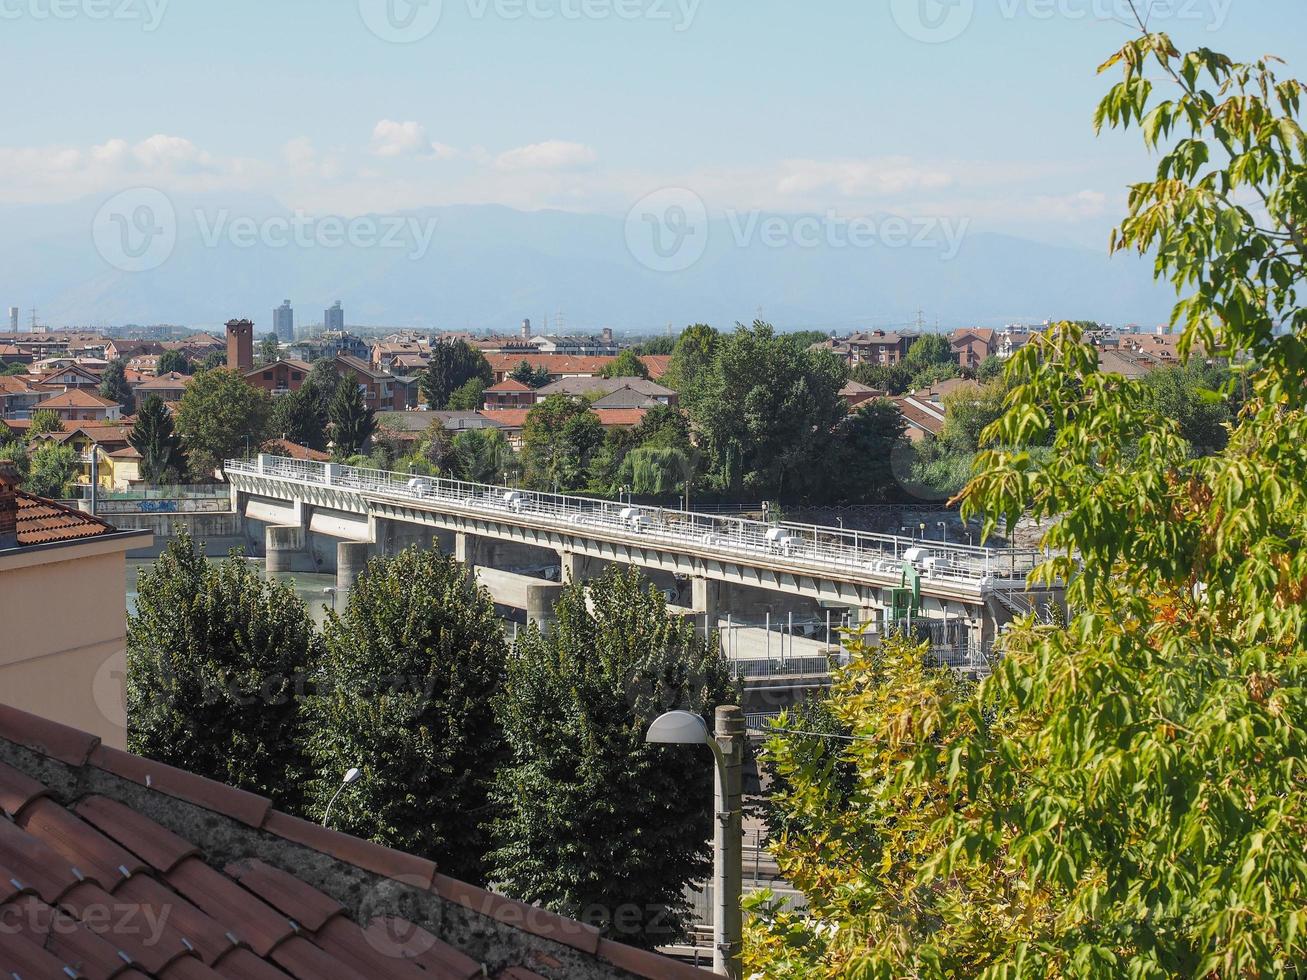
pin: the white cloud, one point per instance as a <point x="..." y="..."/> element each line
<point x="550" y="155"/>
<point x="407" y="139"/>
<point x="859" y="178"/>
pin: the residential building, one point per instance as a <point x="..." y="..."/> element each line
<point x="973" y="346"/>
<point x="280" y="377"/>
<point x="512" y="420"/>
<point x="406" y="428"/>
<point x="856" y="394"/>
<point x="125" y="350"/>
<point x="383" y="355"/>
<point x="67" y="377"/>
<point x="333" y="320"/>
<point x="924" y="411"/>
<point x="13" y="354"/>
<point x="87" y="439"/>
<point x="240" y="345"/>
<point x="331" y="345"/>
<point x="120" y="469"/>
<point x="293" y="450"/>
<point x="642" y="393"/>
<point x="601" y="346"/>
<point x="170" y="387"/>
<point x="557" y="365"/>
<point x="380" y="392"/>
<point x="283" y="322"/>
<point x="509" y="393"/>
<point x="78" y="404"/>
<point x="68" y="667"/>
<point x="19" y="398"/>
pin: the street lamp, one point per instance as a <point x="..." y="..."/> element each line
<point x="943" y="530"/>
<point x="687" y="728"/>
<point x="351" y="777"/>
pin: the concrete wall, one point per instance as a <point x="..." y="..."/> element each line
<point x="220" y="532"/>
<point x="63" y="646"/>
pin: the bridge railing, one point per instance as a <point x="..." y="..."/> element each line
<point x="799" y="544"/>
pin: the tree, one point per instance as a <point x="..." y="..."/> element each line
<point x="216" y="662"/>
<point x="1124" y="795"/>
<point x="531" y="377"/>
<point x="484" y="456"/>
<point x="656" y="346"/>
<point x="300" y="416"/>
<point x="269" y="349"/>
<point x="469" y="397"/>
<point x="437" y="448"/>
<point x="989" y="369"/>
<point x="893" y="379"/>
<point x="44" y="421"/>
<point x="405" y="692"/>
<point x="52" y="469"/>
<point x="162" y="459"/>
<point x="930" y="350"/>
<point x="1192" y="395"/>
<point x="560" y="439"/>
<point x="590" y="820"/>
<point x="8" y="370"/>
<point x="452" y="365"/>
<point x="862" y="469"/>
<point x="114" y="386"/>
<point x="174" y="361"/>
<point x="221" y="417"/>
<point x="768" y="410"/>
<point x="352" y="422"/>
<point x="214" y="359"/>
<point x="692" y="359"/>
<point x="626" y="365"/>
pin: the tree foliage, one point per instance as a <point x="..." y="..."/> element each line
<point x="171" y="361"/>
<point x="163" y="461"/>
<point x="626" y="365"/>
<point x="559" y="441"/>
<point x="592" y="821"/>
<point x="52" y="469"/>
<point x="404" y="692"/>
<point x="1125" y="796"/>
<point x="220" y="417"/>
<point x="43" y="421"/>
<point x="216" y="660"/>
<point x="531" y="377"/>
<point x="352" y="421"/>
<point x="114" y="386"/>
<point x="453" y="364"/>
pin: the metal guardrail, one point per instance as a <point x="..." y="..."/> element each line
<point x="798" y="545"/>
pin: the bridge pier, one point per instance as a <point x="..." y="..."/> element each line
<point x="287" y="550"/>
<point x="351" y="561"/>
<point x="707" y="601"/>
<point x="540" y="602"/>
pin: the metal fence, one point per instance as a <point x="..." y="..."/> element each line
<point x="797" y="545"/>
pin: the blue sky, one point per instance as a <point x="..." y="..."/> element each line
<point x="589" y="105"/>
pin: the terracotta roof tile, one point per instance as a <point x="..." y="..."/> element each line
<point x="304" y="904"/>
<point x="17" y="789"/>
<point x="235" y="803"/>
<point x="183" y="913"/>
<point x="42" y="521"/>
<point x="76" y="398"/>
<point x="159" y="847"/>
<point x="84" y="847"/>
<point x="250" y="920"/>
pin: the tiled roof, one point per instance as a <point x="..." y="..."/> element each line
<point x="553" y="363"/>
<point x="585" y="386"/>
<point x="656" y="364"/>
<point x="509" y="384"/>
<point x="284" y="447"/>
<point x="116" y="866"/>
<point x="515" y="418"/>
<point x="170" y="381"/>
<point x="42" y="521"/>
<point x="77" y="398"/>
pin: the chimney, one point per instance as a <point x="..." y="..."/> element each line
<point x="8" y="506"/>
<point x="240" y="345"/>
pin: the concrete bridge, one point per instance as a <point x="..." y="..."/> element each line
<point x="524" y="545"/>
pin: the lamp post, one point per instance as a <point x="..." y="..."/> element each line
<point x="351" y="777"/>
<point x="943" y="530"/>
<point x="687" y="728"/>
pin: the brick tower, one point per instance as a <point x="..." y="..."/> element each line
<point x="240" y="345"/>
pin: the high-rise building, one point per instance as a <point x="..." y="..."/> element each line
<point x="334" y="319"/>
<point x="13" y="319"/>
<point x="240" y="345"/>
<point x="283" y="323"/>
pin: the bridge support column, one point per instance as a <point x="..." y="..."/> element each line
<point x="575" y="568"/>
<point x="351" y="561"/>
<point x="540" y="602"/>
<point x="400" y="535"/>
<point x="287" y="550"/>
<point x="467" y="548"/>
<point x="707" y="601"/>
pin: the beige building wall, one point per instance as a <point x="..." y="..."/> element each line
<point x="63" y="633"/>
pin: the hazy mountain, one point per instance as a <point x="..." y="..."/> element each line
<point x="489" y="266"/>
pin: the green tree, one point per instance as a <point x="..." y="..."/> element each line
<point x="221" y="417"/>
<point x="626" y="365"/>
<point x="930" y="350"/>
<point x="405" y="692"/>
<point x="893" y="379"/>
<point x="1198" y="396"/>
<point x="352" y="422"/>
<point x="174" y="361"/>
<point x="216" y="661"/>
<point x="861" y="460"/>
<point x="44" y="421"/>
<point x="300" y="416"/>
<point x="560" y="440"/>
<point x="9" y="370"/>
<point x="153" y="436"/>
<point x="656" y="346"/>
<point x="484" y="456"/>
<point x="1125" y="795"/>
<point x="52" y="469"/>
<point x="590" y="820"/>
<point x="768" y="411"/>
<point x="469" y="397"/>
<point x="269" y="349"/>
<point x="692" y="360"/>
<point x="452" y="365"/>
<point x="531" y="377"/>
<point x="989" y="369"/>
<point x="214" y="359"/>
<point x="438" y="449"/>
<point x="114" y="386"/>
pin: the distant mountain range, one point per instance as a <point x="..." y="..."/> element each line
<point x="486" y="266"/>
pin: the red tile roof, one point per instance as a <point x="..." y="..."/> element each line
<point x="42" y="521"/>
<point x="509" y="384"/>
<point x="515" y="418"/>
<point x="560" y="364"/>
<point x="656" y="364"/>
<point x="76" y="398"/>
<point x="284" y="447"/>
<point x="169" y="382"/>
<point x="115" y="866"/>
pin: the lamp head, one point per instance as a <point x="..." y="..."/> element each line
<point x="678" y="728"/>
<point x="351" y="776"/>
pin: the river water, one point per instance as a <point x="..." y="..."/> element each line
<point x="308" y="586"/>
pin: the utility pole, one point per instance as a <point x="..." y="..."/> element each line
<point x="728" y="855"/>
